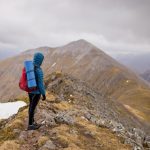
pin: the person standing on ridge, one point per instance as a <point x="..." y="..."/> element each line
<point x="35" y="96"/>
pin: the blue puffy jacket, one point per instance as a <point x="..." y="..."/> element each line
<point x="37" y="61"/>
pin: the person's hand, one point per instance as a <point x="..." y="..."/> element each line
<point x="43" y="97"/>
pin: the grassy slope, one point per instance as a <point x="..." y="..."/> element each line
<point x="142" y="106"/>
<point x="129" y="91"/>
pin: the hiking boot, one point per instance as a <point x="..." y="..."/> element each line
<point x="35" y="123"/>
<point x="33" y="126"/>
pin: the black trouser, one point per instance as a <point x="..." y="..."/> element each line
<point x="34" y="99"/>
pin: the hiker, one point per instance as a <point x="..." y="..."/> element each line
<point x="34" y="96"/>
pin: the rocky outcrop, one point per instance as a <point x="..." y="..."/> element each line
<point x="100" y="110"/>
<point x="74" y="116"/>
<point x="136" y="137"/>
<point x="64" y="126"/>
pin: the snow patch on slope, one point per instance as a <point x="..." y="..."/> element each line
<point x="10" y="108"/>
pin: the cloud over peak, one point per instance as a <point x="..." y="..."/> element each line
<point x="116" y="26"/>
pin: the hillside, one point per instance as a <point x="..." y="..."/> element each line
<point x="88" y="63"/>
<point x="71" y="120"/>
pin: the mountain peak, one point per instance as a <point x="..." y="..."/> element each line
<point x="80" y="46"/>
<point x="81" y="42"/>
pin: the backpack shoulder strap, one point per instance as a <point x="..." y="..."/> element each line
<point x="35" y="68"/>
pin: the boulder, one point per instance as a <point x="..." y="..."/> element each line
<point x="147" y="142"/>
<point x="49" y="145"/>
<point x="64" y="117"/>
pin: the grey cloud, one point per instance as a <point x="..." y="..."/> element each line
<point x="116" y="26"/>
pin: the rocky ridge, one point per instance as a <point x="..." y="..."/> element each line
<point x="71" y="121"/>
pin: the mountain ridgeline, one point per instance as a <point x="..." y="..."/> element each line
<point x="86" y="62"/>
<point x="146" y="75"/>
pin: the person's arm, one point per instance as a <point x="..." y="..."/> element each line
<point x="40" y="82"/>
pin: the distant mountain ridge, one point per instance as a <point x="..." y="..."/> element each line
<point x="146" y="75"/>
<point x="139" y="63"/>
<point x="5" y="55"/>
<point x="88" y="63"/>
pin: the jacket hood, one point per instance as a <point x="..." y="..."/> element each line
<point x="38" y="59"/>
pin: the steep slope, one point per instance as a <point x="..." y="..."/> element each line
<point x="84" y="61"/>
<point x="71" y="122"/>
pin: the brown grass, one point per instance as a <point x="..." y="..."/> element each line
<point x="42" y="140"/>
<point x="10" y="145"/>
<point x="138" y="101"/>
<point x="85" y="135"/>
<point x="7" y="132"/>
<point x="63" y="105"/>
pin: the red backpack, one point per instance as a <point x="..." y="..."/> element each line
<point x="23" y="84"/>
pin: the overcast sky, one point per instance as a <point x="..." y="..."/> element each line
<point x="115" y="26"/>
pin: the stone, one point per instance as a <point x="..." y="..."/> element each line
<point x="93" y="119"/>
<point x="32" y="133"/>
<point x="83" y="117"/>
<point x="137" y="148"/>
<point x="138" y="136"/>
<point x="50" y="121"/>
<point x="100" y="123"/>
<point x="138" y="132"/>
<point x="87" y="115"/>
<point x="49" y="118"/>
<point x="23" y="136"/>
<point x="53" y="77"/>
<point x="63" y="117"/>
<point x="73" y="131"/>
<point x="147" y="142"/>
<point x="89" y="133"/>
<point x="49" y="145"/>
<point x="16" y="131"/>
<point x="133" y="144"/>
<point x="53" y="85"/>
<point x="118" y="127"/>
